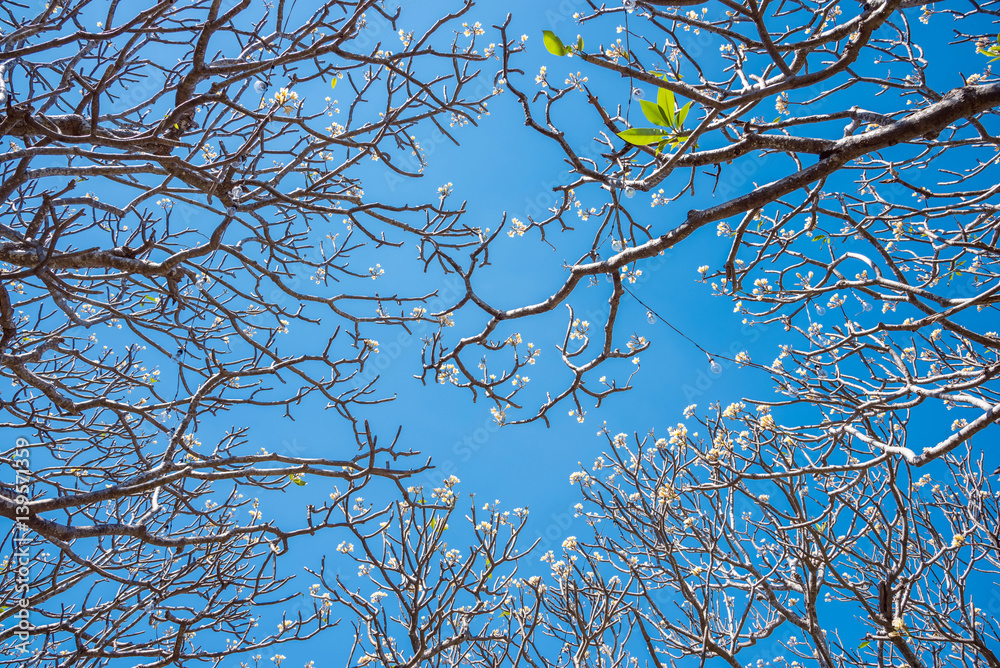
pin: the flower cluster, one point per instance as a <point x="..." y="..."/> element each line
<point x="444" y="494"/>
<point x="447" y="374"/>
<point x="475" y="29"/>
<point x="732" y="410"/>
<point x="576" y="81"/>
<point x="540" y="77"/>
<point x="678" y="434"/>
<point x="630" y="275"/>
<point x="517" y="228"/>
<point x="286" y="99"/>
<point x="499" y="416"/>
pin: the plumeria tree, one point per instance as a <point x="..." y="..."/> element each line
<point x="749" y="545"/>
<point x="850" y="157"/>
<point x="419" y="600"/>
<point x="731" y="538"/>
<point x="884" y="278"/>
<point x="186" y="242"/>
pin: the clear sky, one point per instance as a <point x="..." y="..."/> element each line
<point x="502" y="166"/>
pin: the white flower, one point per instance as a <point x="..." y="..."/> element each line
<point x="540" y="77"/>
<point x="733" y="409"/>
<point x="570" y="543"/>
<point x="517" y="228"/>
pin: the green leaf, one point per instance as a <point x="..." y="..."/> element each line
<point x="297" y="479"/>
<point x="433" y="522"/>
<point x="864" y="644"/>
<point x="555" y="45"/>
<point x="642" y="136"/>
<point x="653" y="113"/>
<point x="682" y="114"/>
<point x="579" y="43"/>
<point x="665" y="98"/>
<point x="333" y="84"/>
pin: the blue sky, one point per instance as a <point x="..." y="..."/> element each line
<point x="502" y="166"/>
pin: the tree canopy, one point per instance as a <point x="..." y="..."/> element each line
<point x="190" y="244"/>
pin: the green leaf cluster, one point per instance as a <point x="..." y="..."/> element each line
<point x="668" y="119"/>
<point x="555" y="46"/>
